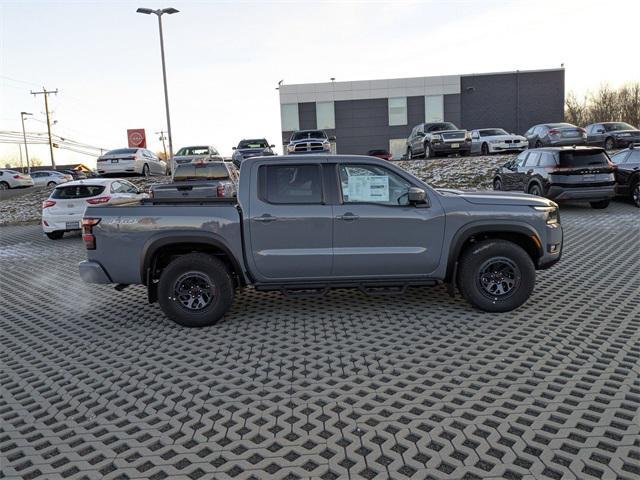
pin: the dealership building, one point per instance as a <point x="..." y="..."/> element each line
<point x="379" y="114"/>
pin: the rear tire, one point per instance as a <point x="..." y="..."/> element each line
<point x="635" y="193"/>
<point x="538" y="144"/>
<point x="51" y="184"/>
<point x="609" y="144"/>
<point x="484" y="149"/>
<point x="465" y="153"/>
<point x="145" y="170"/>
<point x="496" y="275"/>
<point x="600" y="204"/>
<point x="497" y="184"/>
<point x="534" y="189"/>
<point x="4" y="186"/>
<point x="409" y="154"/>
<point x="55" y="235"/>
<point x="195" y="290"/>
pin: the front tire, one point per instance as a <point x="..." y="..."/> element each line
<point x="51" y="184"/>
<point x="496" y="275"/>
<point x="600" y="204"/>
<point x="484" y="149"/>
<point x="409" y="154"/>
<point x="428" y="153"/>
<point x="55" y="235"/>
<point x="497" y="184"/>
<point x="535" y="189"/>
<point x="538" y="144"/>
<point x="195" y="290"/>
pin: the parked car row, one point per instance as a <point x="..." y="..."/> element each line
<point x="573" y="173"/>
<point x="40" y="178"/>
<point x="609" y="135"/>
<point x="138" y="161"/>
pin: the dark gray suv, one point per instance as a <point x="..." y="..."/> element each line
<point x="555" y="135"/>
<point x="432" y="139"/>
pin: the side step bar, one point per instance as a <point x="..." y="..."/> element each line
<point x="372" y="289"/>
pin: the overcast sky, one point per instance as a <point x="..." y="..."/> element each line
<point x="224" y="59"/>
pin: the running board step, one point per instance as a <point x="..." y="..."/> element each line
<point x="373" y="291"/>
<point x="305" y="292"/>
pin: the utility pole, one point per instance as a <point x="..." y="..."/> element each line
<point x="164" y="146"/>
<point x="24" y="136"/>
<point x="46" y="93"/>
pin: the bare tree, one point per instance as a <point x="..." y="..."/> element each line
<point x="576" y="111"/>
<point x="605" y="105"/>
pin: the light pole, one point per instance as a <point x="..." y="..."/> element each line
<point x="24" y="136"/>
<point x="159" y="13"/>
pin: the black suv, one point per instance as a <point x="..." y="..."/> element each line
<point x="561" y="173"/>
<point x="627" y="171"/>
<point x="431" y="139"/>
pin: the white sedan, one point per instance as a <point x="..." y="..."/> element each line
<point x="49" y="178"/>
<point x="64" y="209"/>
<point x="13" y="179"/>
<point x="138" y="161"/>
<point x="496" y="140"/>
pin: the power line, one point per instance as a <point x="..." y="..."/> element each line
<point x="46" y="93"/>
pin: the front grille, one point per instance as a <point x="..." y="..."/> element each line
<point x="453" y="136"/>
<point x="308" y="147"/>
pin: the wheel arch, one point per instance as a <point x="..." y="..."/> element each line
<point x="159" y="250"/>
<point x="521" y="234"/>
<point x="535" y="180"/>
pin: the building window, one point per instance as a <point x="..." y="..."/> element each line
<point x="289" y="115"/>
<point x="325" y="115"/>
<point x="398" y="111"/>
<point x="397" y="147"/>
<point x="434" y="108"/>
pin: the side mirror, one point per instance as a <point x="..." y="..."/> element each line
<point x="417" y="196"/>
<point x="233" y="148"/>
<point x="600" y="130"/>
<point x="272" y="146"/>
<point x="332" y="139"/>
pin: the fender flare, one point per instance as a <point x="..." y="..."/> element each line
<point x="468" y="231"/>
<point x="537" y="180"/>
<point x="162" y="239"/>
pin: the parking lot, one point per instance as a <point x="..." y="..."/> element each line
<point x="98" y="384"/>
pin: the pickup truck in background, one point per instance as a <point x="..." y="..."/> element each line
<point x="199" y="180"/>
<point x="304" y="224"/>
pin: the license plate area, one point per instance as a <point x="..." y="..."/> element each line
<point x="115" y="160"/>
<point x="72" y="225"/>
<point x="455" y="145"/>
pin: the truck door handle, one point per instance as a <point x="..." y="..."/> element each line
<point x="266" y="218"/>
<point x="348" y="217"/>
<point x="529" y="172"/>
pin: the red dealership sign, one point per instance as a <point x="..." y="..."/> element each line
<point x="137" y="138"/>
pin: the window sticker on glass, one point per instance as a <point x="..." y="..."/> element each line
<point x="368" y="188"/>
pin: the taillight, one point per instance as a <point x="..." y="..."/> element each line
<point x="99" y="200"/>
<point x="554" y="132"/>
<point x="87" y="232"/>
<point x="220" y="190"/>
<point x="48" y="203"/>
<point x="18" y="177"/>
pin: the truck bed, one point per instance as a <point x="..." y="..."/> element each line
<point x="127" y="233"/>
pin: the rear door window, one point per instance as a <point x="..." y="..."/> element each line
<point x="580" y="158"/>
<point x="290" y="184"/>
<point x="634" y="157"/>
<point x="619" y="157"/>
<point x="77" y="191"/>
<point x="532" y="159"/>
<point x="547" y="159"/>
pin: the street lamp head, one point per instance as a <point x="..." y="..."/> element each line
<point x="146" y="11"/>
<point x="25" y="113"/>
<point x="170" y="10"/>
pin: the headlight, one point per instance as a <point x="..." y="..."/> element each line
<point x="495" y="141"/>
<point x="326" y="146"/>
<point x="436" y="136"/>
<point x="624" y="134"/>
<point x="291" y="148"/>
<point x="552" y="214"/>
<point x="467" y="137"/>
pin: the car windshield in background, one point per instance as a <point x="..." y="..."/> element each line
<point x="309" y="134"/>
<point x="77" y="191"/>
<point x="122" y="151"/>
<point x="193" y="151"/>
<point x="253" y="144"/>
<point x="490" y="132"/>
<point x="582" y="159"/>
<point x="442" y="126"/>
<point x="612" y="127"/>
<point x="207" y="171"/>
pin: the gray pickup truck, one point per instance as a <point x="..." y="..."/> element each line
<point x="304" y="224"/>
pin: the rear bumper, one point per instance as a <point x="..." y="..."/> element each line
<point x="108" y="167"/>
<point x="92" y="272"/>
<point x="508" y="147"/>
<point x="578" y="193"/>
<point x="59" y="222"/>
<point x="567" y="142"/>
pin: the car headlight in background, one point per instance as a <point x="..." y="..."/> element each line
<point x="326" y="146"/>
<point x="624" y="134"/>
<point x="467" y="137"/>
<point x="436" y="137"/>
<point x="495" y="141"/>
<point x="291" y="148"/>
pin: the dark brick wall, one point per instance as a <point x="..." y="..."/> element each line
<point x="513" y="101"/>
<point x="307" y="115"/>
<point x="452" y="109"/>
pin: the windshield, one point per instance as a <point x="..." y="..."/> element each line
<point x="206" y="171"/>
<point x="193" y="151"/>
<point x="253" y="144"/>
<point x="77" y="191"/>
<point x="612" y="127"/>
<point x="309" y="134"/>
<point x="122" y="151"/>
<point x="439" y="127"/>
<point x="492" y="131"/>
